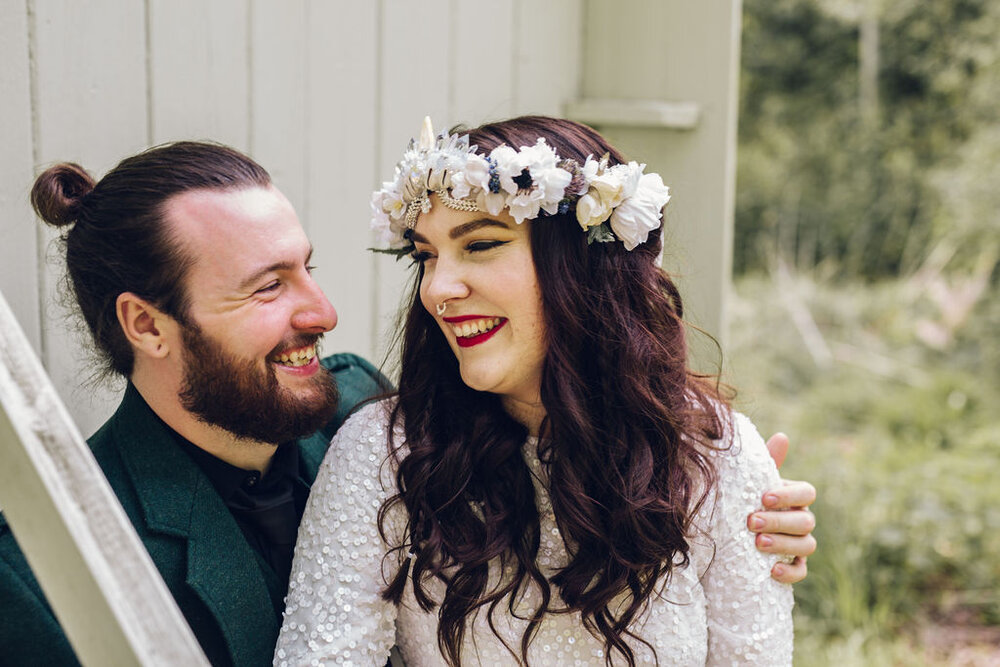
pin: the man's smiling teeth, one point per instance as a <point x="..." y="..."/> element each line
<point x="475" y="327"/>
<point x="299" y="357"/>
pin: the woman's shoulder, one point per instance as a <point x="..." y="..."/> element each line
<point x="369" y="418"/>
<point x="364" y="437"/>
<point x="743" y="466"/>
<point x="741" y="445"/>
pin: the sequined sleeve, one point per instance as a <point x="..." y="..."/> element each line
<point x="334" y="612"/>
<point x="749" y="613"/>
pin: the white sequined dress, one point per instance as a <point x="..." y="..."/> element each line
<point x="722" y="609"/>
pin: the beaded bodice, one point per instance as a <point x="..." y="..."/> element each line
<point x="723" y="608"/>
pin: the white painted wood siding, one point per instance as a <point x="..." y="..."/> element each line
<point x="325" y="94"/>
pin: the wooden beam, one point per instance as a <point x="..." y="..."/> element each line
<point x="658" y="114"/>
<point x="97" y="576"/>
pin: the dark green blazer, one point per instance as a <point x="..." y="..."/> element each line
<point x="229" y="596"/>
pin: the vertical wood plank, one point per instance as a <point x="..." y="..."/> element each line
<point x="341" y="126"/>
<point x="546" y="57"/>
<point x="101" y="583"/>
<point x="91" y="108"/>
<point x="277" y="97"/>
<point x="414" y="82"/>
<point x="198" y="71"/>
<point x="19" y="230"/>
<point x="482" y="67"/>
<point x="682" y="51"/>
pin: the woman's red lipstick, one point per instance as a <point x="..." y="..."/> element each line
<point x="478" y="338"/>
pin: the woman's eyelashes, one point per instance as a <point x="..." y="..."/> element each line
<point x="481" y="246"/>
<point x="420" y="256"/>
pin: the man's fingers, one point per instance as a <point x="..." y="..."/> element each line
<point x="790" y="573"/>
<point x="786" y="545"/>
<point x="791" y="495"/>
<point x="790" y="522"/>
<point x="777" y="445"/>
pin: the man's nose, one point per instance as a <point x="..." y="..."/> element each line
<point x="315" y="312"/>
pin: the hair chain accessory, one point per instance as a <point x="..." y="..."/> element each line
<point x="611" y="203"/>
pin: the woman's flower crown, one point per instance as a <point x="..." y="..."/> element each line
<point x="616" y="203"/>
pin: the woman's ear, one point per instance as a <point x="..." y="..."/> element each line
<point x="146" y="327"/>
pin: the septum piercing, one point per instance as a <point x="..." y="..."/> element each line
<point x="440" y="307"/>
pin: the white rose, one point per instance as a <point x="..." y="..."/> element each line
<point x="388" y="200"/>
<point x="641" y="213"/>
<point x="381" y="224"/>
<point x="608" y="188"/>
<point x="590" y="211"/>
<point x="476" y="174"/>
<point x="628" y="175"/>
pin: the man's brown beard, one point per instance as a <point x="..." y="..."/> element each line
<point x="248" y="401"/>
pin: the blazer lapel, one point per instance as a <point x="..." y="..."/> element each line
<point x="224" y="571"/>
<point x="178" y="500"/>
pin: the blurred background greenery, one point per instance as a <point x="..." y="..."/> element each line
<point x="866" y="312"/>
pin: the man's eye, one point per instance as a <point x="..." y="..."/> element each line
<point x="310" y="268"/>
<point x="270" y="287"/>
<point x="480" y="246"/>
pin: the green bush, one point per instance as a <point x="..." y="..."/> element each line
<point x="901" y="440"/>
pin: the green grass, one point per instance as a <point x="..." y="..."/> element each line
<point x="901" y="436"/>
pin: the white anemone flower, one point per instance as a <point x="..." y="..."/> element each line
<point x="508" y="167"/>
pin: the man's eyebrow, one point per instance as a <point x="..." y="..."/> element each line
<point x="463" y="229"/>
<point x="255" y="277"/>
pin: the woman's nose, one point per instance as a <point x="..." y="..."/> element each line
<point x="445" y="281"/>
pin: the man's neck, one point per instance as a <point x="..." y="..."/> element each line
<point x="162" y="398"/>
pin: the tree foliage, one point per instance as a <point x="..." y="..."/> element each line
<point x="830" y="179"/>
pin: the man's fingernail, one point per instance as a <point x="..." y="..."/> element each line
<point x="764" y="541"/>
<point x="770" y="500"/>
<point x="756" y="523"/>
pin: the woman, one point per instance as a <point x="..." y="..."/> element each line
<point x="560" y="488"/>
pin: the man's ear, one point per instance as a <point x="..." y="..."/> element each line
<point x="147" y="328"/>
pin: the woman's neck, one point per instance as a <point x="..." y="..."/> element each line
<point x="530" y="414"/>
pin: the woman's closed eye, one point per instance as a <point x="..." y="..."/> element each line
<point x="420" y="256"/>
<point x="481" y="246"/>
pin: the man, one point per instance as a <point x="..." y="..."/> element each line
<point x="193" y="274"/>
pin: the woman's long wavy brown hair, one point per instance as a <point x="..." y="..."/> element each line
<point x="623" y="442"/>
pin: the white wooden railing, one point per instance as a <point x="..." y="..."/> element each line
<point x="97" y="576"/>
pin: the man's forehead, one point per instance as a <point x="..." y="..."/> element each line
<point x="232" y="232"/>
<point x="216" y="206"/>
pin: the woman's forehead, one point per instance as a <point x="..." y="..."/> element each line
<point x="447" y="223"/>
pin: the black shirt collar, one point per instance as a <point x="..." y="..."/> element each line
<point x="229" y="480"/>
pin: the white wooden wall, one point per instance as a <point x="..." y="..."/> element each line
<point x="325" y="94"/>
<point x="683" y="61"/>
